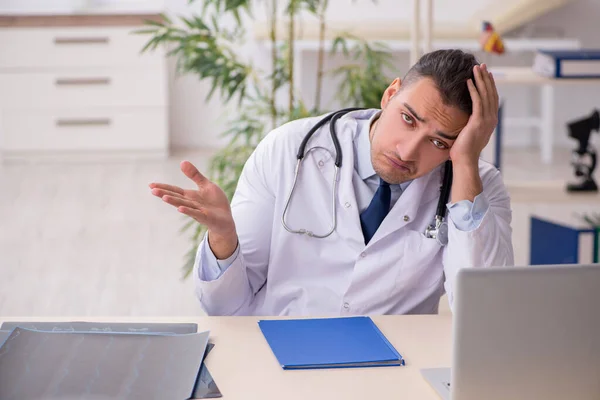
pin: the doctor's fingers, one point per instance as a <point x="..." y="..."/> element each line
<point x="192" y="172"/>
<point x="170" y="188"/>
<point x="479" y="72"/>
<point x="179" y="201"/>
<point x="198" y="214"/>
<point x="477" y="107"/>
<point x="162" y="192"/>
<point x="489" y="90"/>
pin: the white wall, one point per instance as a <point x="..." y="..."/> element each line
<point x="67" y="6"/>
<point x="36" y="5"/>
<point x="195" y="124"/>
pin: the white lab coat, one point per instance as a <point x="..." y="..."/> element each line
<point x="400" y="271"/>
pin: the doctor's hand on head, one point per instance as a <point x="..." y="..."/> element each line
<point x="476" y="134"/>
<point x="207" y="204"/>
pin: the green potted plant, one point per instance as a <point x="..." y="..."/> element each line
<point x="203" y="47"/>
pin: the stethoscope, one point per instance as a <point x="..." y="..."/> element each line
<point x="438" y="230"/>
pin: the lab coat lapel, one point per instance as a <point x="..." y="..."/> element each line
<point x="348" y="226"/>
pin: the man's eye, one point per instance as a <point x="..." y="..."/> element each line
<point x="407" y="118"/>
<point x="439" y="144"/>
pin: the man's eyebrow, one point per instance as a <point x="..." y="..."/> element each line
<point x="413" y="112"/>
<point x="441" y="134"/>
<point x="446" y="136"/>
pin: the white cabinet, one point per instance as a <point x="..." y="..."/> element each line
<point x="80" y="87"/>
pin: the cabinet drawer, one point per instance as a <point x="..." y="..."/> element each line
<point x="98" y="129"/>
<point x="74" y="47"/>
<point x="83" y="89"/>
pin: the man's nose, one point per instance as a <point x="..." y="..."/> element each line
<point x="409" y="148"/>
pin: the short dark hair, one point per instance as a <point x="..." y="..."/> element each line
<point x="449" y="70"/>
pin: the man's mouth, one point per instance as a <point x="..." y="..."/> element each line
<point x="399" y="164"/>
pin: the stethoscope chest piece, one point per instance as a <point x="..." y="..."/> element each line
<point x="439" y="231"/>
<point x="442" y="235"/>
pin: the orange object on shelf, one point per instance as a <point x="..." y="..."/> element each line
<point x="490" y="40"/>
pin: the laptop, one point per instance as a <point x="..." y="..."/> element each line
<point x="524" y="333"/>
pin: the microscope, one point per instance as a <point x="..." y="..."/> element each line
<point x="584" y="158"/>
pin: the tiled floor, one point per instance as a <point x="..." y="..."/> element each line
<point x="88" y="239"/>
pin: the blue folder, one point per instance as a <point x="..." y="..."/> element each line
<point x="579" y="63"/>
<point x="329" y="343"/>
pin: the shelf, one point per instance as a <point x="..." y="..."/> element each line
<point x="512" y="45"/>
<point x="526" y="75"/>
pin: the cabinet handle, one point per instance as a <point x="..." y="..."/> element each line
<point x="83" y="122"/>
<point x="80" y="40"/>
<point x="82" y="81"/>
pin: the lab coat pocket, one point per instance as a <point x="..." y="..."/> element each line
<point x="421" y="266"/>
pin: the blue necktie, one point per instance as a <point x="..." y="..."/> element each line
<point x="371" y="218"/>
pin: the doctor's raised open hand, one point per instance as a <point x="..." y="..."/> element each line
<point x="207" y="204"/>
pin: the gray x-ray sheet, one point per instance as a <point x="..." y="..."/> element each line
<point x="77" y="326"/>
<point x="3" y="336"/>
<point x="206" y="387"/>
<point x="42" y="365"/>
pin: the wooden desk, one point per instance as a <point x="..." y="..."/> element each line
<point x="244" y="367"/>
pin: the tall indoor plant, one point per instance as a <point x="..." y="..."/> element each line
<point x="204" y="47"/>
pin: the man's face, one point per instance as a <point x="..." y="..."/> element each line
<point x="415" y="131"/>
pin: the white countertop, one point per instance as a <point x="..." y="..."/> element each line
<point x="79" y="7"/>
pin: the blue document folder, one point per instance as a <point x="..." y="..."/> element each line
<point x="329" y="343"/>
<point x="580" y="63"/>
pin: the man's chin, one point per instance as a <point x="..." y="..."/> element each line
<point x="396" y="177"/>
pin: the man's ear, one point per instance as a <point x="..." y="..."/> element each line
<point x="390" y="92"/>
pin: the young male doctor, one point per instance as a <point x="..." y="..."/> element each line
<point x="377" y="260"/>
